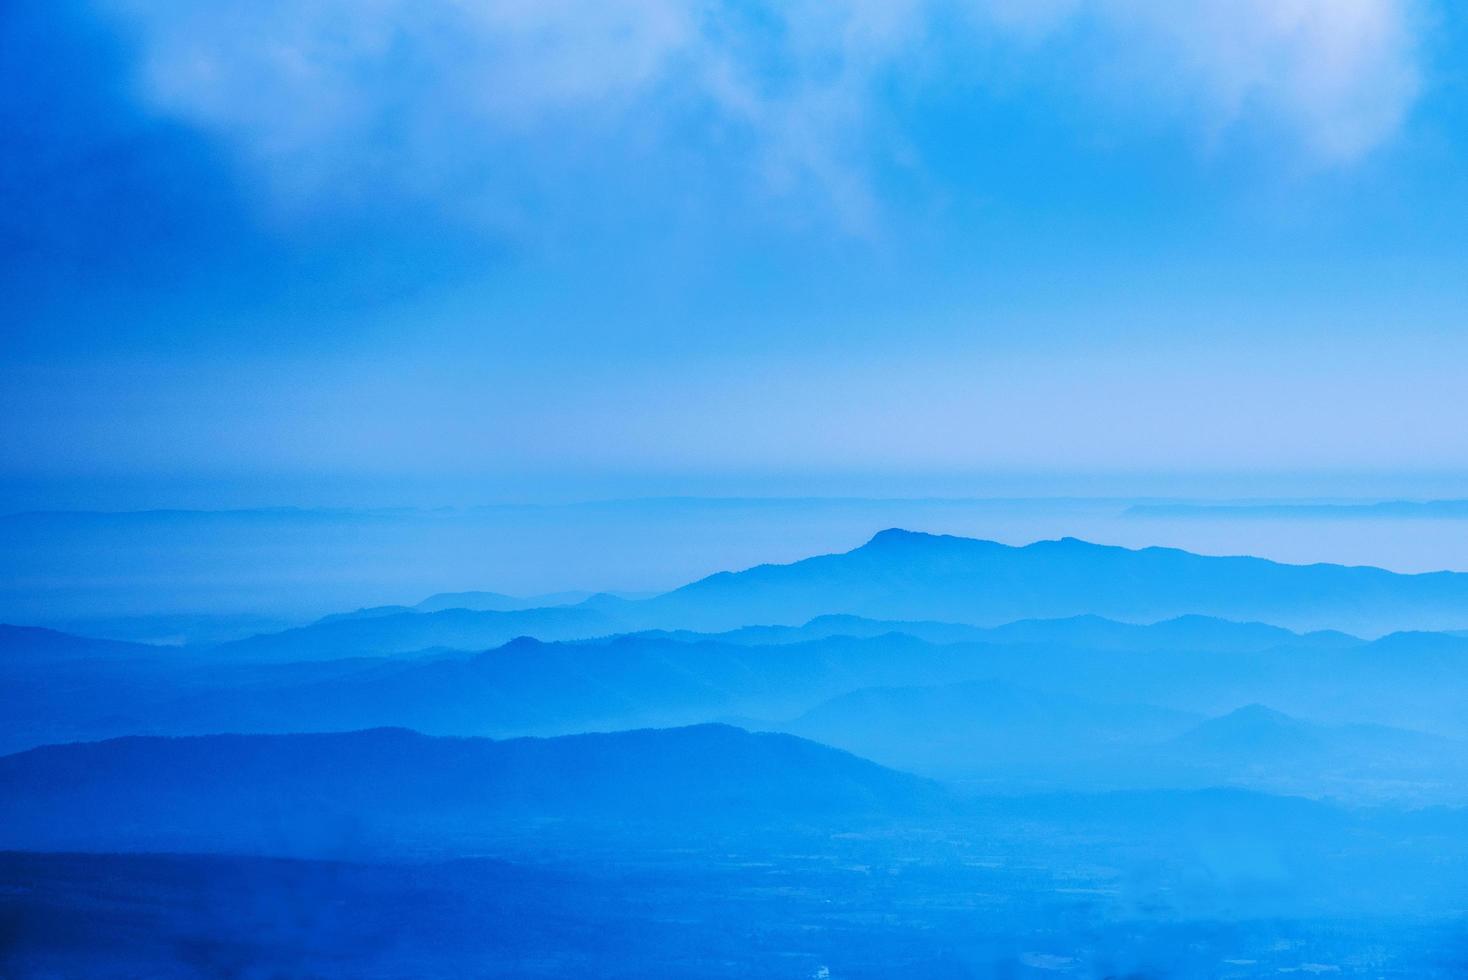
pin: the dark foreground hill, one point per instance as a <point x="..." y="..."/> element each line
<point x="394" y="790"/>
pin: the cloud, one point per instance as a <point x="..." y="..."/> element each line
<point x="490" y="107"/>
<point x="1338" y="76"/>
<point x="349" y="99"/>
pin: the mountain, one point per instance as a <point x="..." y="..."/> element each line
<point x="498" y="601"/>
<point x="32" y="646"/>
<point x="980" y="729"/>
<point x="367" y="612"/>
<point x="530" y="687"/>
<point x="824" y="627"/>
<point x="940" y="588"/>
<point x="911" y="576"/>
<point x="1251" y="733"/>
<point x="392" y="630"/>
<point x="1202" y="634"/>
<point x="996" y="736"/>
<point x="176" y="629"/>
<point x="396" y="790"/>
<point x="1195" y="633"/>
<point x="1257" y="747"/>
<point x="1255" y="734"/>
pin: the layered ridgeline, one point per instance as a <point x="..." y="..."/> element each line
<point x="923" y="749"/>
<point x="911" y="577"/>
<point x="1066" y="703"/>
<point x="897" y="660"/>
<point x="392" y="792"/>
<point x="528" y="686"/>
<point x="395" y="791"/>
<point x="991" y="736"/>
<point x="905" y="575"/>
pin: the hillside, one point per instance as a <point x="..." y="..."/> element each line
<point x="395" y="789"/>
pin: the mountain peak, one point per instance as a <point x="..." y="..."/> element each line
<point x="1252" y="728"/>
<point x="906" y="575"/>
<point x="1259" y="714"/>
<point x="520" y="644"/>
<point x="898" y="536"/>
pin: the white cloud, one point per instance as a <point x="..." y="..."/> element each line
<point x="356" y="98"/>
<point x="1337" y="75"/>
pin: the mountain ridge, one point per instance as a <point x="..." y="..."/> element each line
<point x="305" y="793"/>
<point x="902" y="574"/>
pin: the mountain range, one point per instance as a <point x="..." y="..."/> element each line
<point x="906" y="575"/>
<point x="396" y="790"/>
<point x="1191" y="666"/>
<point x="932" y="586"/>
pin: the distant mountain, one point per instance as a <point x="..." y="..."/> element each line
<point x="391" y="789"/>
<point x="981" y="728"/>
<point x="498" y="601"/>
<point x="1255" y="733"/>
<point x="367" y="612"/>
<point x="825" y="627"/>
<point x="1407" y="680"/>
<point x="1191" y="632"/>
<point x="475" y="602"/>
<point x="1260" y="748"/>
<point x="910" y="576"/>
<point x="392" y="630"/>
<point x="172" y="629"/>
<point x="530" y="687"/>
<point x="33" y="645"/>
<point x="1196" y="633"/>
<point x="385" y="630"/>
<point x="1251" y="733"/>
<point x="939" y="588"/>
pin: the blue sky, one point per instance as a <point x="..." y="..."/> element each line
<point x="452" y="251"/>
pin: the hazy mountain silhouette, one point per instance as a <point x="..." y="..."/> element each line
<point x="498" y="601"/>
<point x="933" y="586"/>
<point x="1255" y="734"/>
<point x="30" y="645"/>
<point x="391" y="630"/>
<point x="1191" y="632"/>
<point x="1260" y="748"/>
<point x="825" y="627"/>
<point x="472" y="601"/>
<point x="981" y="727"/>
<point x="530" y="687"/>
<point x="396" y="789"/>
<point x="1250" y="733"/>
<point x="911" y="576"/>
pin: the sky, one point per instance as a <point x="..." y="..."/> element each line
<point x="447" y="251"/>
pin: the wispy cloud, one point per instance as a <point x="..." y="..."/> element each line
<point x="471" y="102"/>
<point x="1337" y="76"/>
